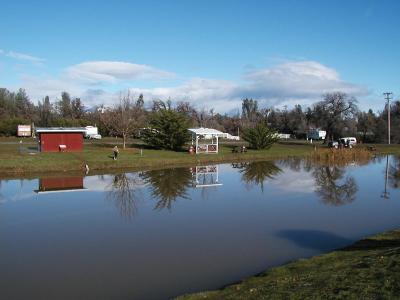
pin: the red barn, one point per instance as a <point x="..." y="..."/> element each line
<point x="60" y="139"/>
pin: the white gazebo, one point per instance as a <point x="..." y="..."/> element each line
<point x="209" y="137"/>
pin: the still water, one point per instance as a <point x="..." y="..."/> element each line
<point x="159" y="234"/>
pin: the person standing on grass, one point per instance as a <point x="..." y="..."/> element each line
<point x="116" y="151"/>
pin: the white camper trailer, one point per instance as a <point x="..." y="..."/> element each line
<point x="316" y="134"/>
<point x="92" y="132"/>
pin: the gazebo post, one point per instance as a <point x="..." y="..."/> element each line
<point x="217" y="144"/>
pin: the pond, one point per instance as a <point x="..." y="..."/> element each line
<point x="162" y="233"/>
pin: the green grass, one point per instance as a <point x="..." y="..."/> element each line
<point x="369" y="269"/>
<point x="97" y="154"/>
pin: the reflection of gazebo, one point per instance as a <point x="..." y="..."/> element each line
<point x="205" y="176"/>
<point x="209" y="137"/>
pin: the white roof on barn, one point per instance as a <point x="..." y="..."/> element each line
<point x="206" y="131"/>
<point x="60" y="129"/>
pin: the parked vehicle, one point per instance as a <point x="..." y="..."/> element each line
<point x="333" y="144"/>
<point x="348" y="141"/>
<point x="344" y="142"/>
<point x="94" y="136"/>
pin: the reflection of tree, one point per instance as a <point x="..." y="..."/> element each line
<point x="122" y="193"/>
<point x="394" y="173"/>
<point x="257" y="172"/>
<point x="332" y="187"/>
<point x="167" y="185"/>
<point x="294" y="163"/>
<point x="2" y="198"/>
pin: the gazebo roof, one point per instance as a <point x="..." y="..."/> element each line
<point x="206" y="131"/>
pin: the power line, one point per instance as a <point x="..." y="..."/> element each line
<point x="388" y="96"/>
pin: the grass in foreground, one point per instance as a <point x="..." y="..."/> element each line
<point x="369" y="269"/>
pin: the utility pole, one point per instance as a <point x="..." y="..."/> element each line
<point x="388" y="96"/>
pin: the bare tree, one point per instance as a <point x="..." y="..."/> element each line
<point x="333" y="112"/>
<point x="249" y="111"/>
<point x="124" y="118"/>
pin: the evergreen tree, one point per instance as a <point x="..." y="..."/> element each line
<point x="140" y="102"/>
<point x="78" y="110"/>
<point x="64" y="106"/>
<point x="168" y="129"/>
<point x="24" y="107"/>
<point x="45" y="111"/>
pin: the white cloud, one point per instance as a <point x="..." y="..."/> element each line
<point x="219" y="94"/>
<point x="288" y="83"/>
<point x="22" y="56"/>
<point x="37" y="87"/>
<point x="111" y="71"/>
<point x="298" y="79"/>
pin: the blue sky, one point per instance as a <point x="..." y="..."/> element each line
<point x="211" y="53"/>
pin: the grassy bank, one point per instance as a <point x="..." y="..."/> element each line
<point x="369" y="269"/>
<point x="17" y="160"/>
<point x="98" y="155"/>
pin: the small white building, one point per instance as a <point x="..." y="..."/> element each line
<point x="205" y="140"/>
<point x="283" y="136"/>
<point x="24" y="130"/>
<point x="231" y="137"/>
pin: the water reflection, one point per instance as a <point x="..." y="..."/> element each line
<point x="394" y="172"/>
<point x="205" y="176"/>
<point x="314" y="239"/>
<point x="330" y="182"/>
<point x="60" y="184"/>
<point x="333" y="187"/>
<point x="123" y="192"/>
<point x="167" y="185"/>
<point x="297" y="164"/>
<point x="256" y="173"/>
<point x="217" y="241"/>
<point x="2" y="197"/>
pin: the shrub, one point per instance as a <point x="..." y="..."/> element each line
<point x="260" y="136"/>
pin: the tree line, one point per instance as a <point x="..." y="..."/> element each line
<point x="337" y="113"/>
